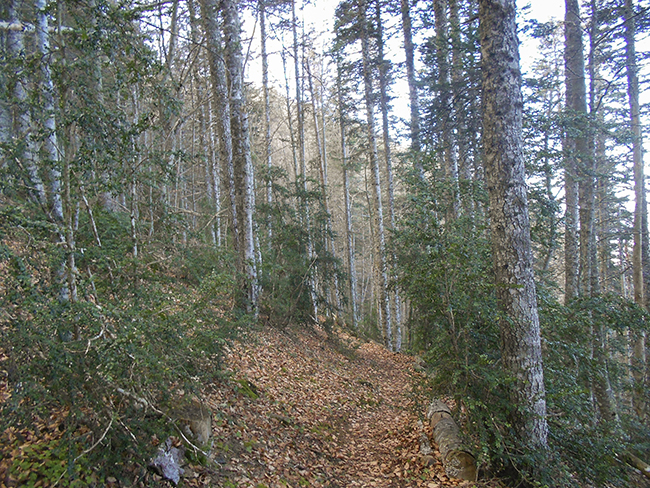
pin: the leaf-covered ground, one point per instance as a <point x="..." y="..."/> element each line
<point x="297" y="408"/>
<point x="305" y="410"/>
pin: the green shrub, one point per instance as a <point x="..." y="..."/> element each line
<point x="134" y="340"/>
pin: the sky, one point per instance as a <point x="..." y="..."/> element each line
<point x="319" y="17"/>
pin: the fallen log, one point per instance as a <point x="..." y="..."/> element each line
<point x="457" y="458"/>
<point x="637" y="463"/>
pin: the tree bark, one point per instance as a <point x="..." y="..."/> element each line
<point x="575" y="144"/>
<point x="221" y="107"/>
<point x="267" y="109"/>
<point x="300" y="113"/>
<point x="509" y="219"/>
<point x="413" y="90"/>
<point x="637" y="463"/>
<point x="447" y="149"/>
<point x="384" y="105"/>
<point x="242" y="158"/>
<point x="638" y="357"/>
<point x="22" y="123"/>
<point x="457" y="457"/>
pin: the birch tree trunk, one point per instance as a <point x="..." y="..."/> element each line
<point x="50" y="155"/>
<point x="22" y="122"/>
<point x="267" y="109"/>
<point x="380" y="235"/>
<point x="509" y="220"/>
<point x="221" y="107"/>
<point x="5" y="90"/>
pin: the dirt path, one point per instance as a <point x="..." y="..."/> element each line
<point x="308" y="411"/>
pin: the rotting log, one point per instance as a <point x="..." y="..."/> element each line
<point x="637" y="463"/>
<point x="457" y="458"/>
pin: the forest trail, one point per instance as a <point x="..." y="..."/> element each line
<point x="305" y="410"/>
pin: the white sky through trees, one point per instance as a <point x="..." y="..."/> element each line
<point x="318" y="17"/>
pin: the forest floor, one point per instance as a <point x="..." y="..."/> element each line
<point x="294" y="407"/>
<point x="305" y="409"/>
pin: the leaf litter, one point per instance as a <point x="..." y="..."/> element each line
<point x="308" y="409"/>
<point x="299" y="407"/>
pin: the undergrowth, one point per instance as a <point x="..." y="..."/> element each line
<point x="447" y="278"/>
<point x="87" y="380"/>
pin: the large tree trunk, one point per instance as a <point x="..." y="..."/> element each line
<point x="380" y="236"/>
<point x="638" y="357"/>
<point x="242" y="158"/>
<point x="509" y="219"/>
<point x="22" y="123"/>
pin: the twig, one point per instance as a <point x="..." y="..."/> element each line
<point x="96" y="443"/>
<point x="103" y="436"/>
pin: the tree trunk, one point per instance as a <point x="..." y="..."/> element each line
<point x="173" y="35"/>
<point x="267" y="110"/>
<point x="349" y="238"/>
<point x="413" y="90"/>
<point x="383" y="102"/>
<point x="380" y="236"/>
<point x="50" y="154"/>
<point x="22" y="122"/>
<point x="242" y="158"/>
<point x="637" y="463"/>
<point x="221" y="107"/>
<point x="321" y="144"/>
<point x="575" y="146"/>
<point x="300" y="112"/>
<point x="457" y="93"/>
<point x="5" y="91"/>
<point x="638" y="357"/>
<point x="509" y="219"/>
<point x="447" y="149"/>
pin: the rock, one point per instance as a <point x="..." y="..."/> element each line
<point x="167" y="462"/>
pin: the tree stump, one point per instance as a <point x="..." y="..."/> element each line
<point x="457" y="458"/>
